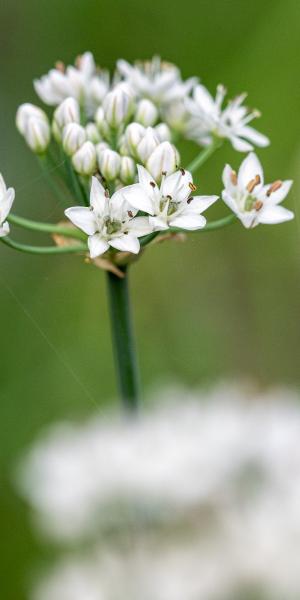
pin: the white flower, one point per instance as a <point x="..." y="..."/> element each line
<point x="7" y="197"/>
<point x="147" y="144"/>
<point x="25" y="112"/>
<point x="177" y="116"/>
<point x="171" y="204"/>
<point x="117" y="106"/>
<point x="133" y="135"/>
<point x="109" y="222"/>
<point x="164" y="159"/>
<point x="251" y="200"/>
<point x="84" y="160"/>
<point x="37" y="134"/>
<point x="67" y="112"/>
<point x="92" y="133"/>
<point x="127" y="170"/>
<point x="146" y="113"/>
<point x="207" y="119"/>
<point x="159" y="81"/>
<point x="163" y="132"/>
<point x="73" y="138"/>
<point x="84" y="82"/>
<point x="109" y="163"/>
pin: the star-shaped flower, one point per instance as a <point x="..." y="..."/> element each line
<point x="109" y="221"/>
<point x="170" y="204"/>
<point x="252" y="201"/>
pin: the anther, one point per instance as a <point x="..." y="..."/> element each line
<point x="258" y="205"/>
<point x="233" y="177"/>
<point x="182" y="171"/>
<point x="164" y="173"/>
<point x="274" y="187"/>
<point x="152" y="183"/>
<point x="59" y="65"/>
<point x="192" y="186"/>
<point x="189" y="200"/>
<point x="253" y="183"/>
<point x="130" y="213"/>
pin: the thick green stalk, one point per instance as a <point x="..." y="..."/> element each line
<point x="46" y="227"/>
<point x="204" y="155"/>
<point x="43" y="249"/>
<point x="123" y="340"/>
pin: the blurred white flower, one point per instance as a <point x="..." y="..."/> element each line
<point x="163" y="132"/>
<point x="157" y="80"/>
<point x="37" y="134"/>
<point x="92" y="133"/>
<point x="252" y="201"/>
<point x="85" y="159"/>
<point x="74" y="136"/>
<point x="146" y="113"/>
<point x="67" y="112"/>
<point x="208" y="119"/>
<point x="134" y="133"/>
<point x="171" y="204"/>
<point x="27" y="111"/>
<point x="109" y="221"/>
<point x="127" y="170"/>
<point x="118" y="106"/>
<point x="84" y="82"/>
<point x="147" y="144"/>
<point x="109" y="163"/>
<point x="7" y="196"/>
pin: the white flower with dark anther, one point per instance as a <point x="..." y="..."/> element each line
<point x="25" y="112"/>
<point x="109" y="221"/>
<point x="164" y="159"/>
<point x="252" y="201"/>
<point x="109" y="163"/>
<point x="84" y="82"/>
<point x="157" y="80"/>
<point x="127" y="170"/>
<point x="146" y="113"/>
<point x="118" y="105"/>
<point x="74" y="136"/>
<point x="84" y="160"/>
<point x="7" y="197"/>
<point x="208" y="119"/>
<point x="171" y="203"/>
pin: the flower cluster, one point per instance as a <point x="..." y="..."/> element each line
<point x="199" y="498"/>
<point x="115" y="136"/>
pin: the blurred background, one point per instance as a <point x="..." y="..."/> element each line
<point x="223" y="306"/>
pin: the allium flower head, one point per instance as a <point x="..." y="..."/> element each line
<point x="7" y="197"/>
<point x="109" y="221"/>
<point x="170" y="204"/>
<point x="208" y="119"/>
<point x="251" y="200"/>
<point x="156" y="80"/>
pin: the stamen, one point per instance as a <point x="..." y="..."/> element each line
<point x="192" y="186"/>
<point x="59" y="65"/>
<point x="233" y="177"/>
<point x="152" y="183"/>
<point x="130" y="213"/>
<point x="258" y="205"/>
<point x="106" y="193"/>
<point x="253" y="183"/>
<point x="164" y="173"/>
<point x="189" y="200"/>
<point x="182" y="171"/>
<point x="168" y="196"/>
<point x="274" y="187"/>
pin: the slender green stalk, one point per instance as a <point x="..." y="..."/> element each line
<point x="46" y="227"/>
<point x="75" y="183"/>
<point x="43" y="249"/>
<point x="48" y="176"/>
<point x="123" y="340"/>
<point x="204" y="155"/>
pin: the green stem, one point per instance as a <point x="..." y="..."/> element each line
<point x="43" y="249"/>
<point x="204" y="155"/>
<point x="48" y="176"/>
<point x="46" y="227"/>
<point x="123" y="340"/>
<point x="75" y="183"/>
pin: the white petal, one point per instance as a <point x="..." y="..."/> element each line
<point x="204" y="99"/>
<point x="83" y="217"/>
<point x="274" y="214"/>
<point x="98" y="199"/>
<point x="190" y="222"/>
<point x="136" y="196"/>
<point x="254" y="136"/>
<point x="6" y="203"/>
<point x="146" y="180"/>
<point x="227" y="180"/>
<point x="177" y="185"/>
<point x="249" y="219"/>
<point x="239" y="144"/>
<point x="97" y="245"/>
<point x="249" y="168"/>
<point x="126" y="243"/>
<point x="230" y="201"/>
<point x="140" y="226"/>
<point x="200" y="203"/>
<point x="158" y="224"/>
<point x="4" y="229"/>
<point x="278" y="196"/>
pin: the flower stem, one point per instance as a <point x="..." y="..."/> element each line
<point x="123" y="340"/>
<point x="43" y="249"/>
<point x="204" y="155"/>
<point x="46" y="227"/>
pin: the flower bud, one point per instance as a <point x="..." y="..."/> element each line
<point x="25" y="111"/>
<point x="73" y="137"/>
<point x="37" y="134"/>
<point x="92" y="133"/>
<point x="147" y="144"/>
<point x="109" y="163"/>
<point x="133" y="135"/>
<point x="164" y="159"/>
<point x="146" y="113"/>
<point x="176" y="116"/>
<point x="117" y="106"/>
<point x="101" y="122"/>
<point x="127" y="170"/>
<point x="123" y="146"/>
<point x="67" y="112"/>
<point x="163" y="132"/>
<point x="84" y="160"/>
<point x="100" y="147"/>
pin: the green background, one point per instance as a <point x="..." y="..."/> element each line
<point x="222" y="306"/>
